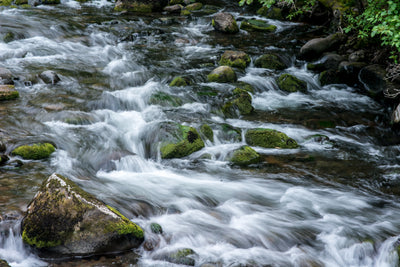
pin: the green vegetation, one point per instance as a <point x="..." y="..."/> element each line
<point x="191" y="142"/>
<point x="269" y="138"/>
<point x="36" y="151"/>
<point x="290" y="83"/>
<point x="245" y="156"/>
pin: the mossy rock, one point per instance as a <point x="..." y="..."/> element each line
<point x="9" y="37"/>
<point x="3" y="263"/>
<point x="21" y="2"/>
<point x="190" y="142"/>
<point x="270" y="13"/>
<point x="241" y="102"/>
<point x="245" y="86"/>
<point x="207" y="132"/>
<point x="51" y="2"/>
<point x="141" y="6"/>
<point x="5" y="2"/>
<point x="225" y="22"/>
<point x="255" y="25"/>
<point x="194" y="6"/>
<point x="245" y="156"/>
<point x="237" y="59"/>
<point x="231" y="133"/>
<point x="270" y="61"/>
<point x="329" y="77"/>
<point x="290" y="83"/>
<point x="319" y="124"/>
<point x="8" y="92"/>
<point x="269" y="138"/>
<point x="64" y="220"/>
<point x="185" y="12"/>
<point x="35" y="151"/>
<point x="222" y="74"/>
<point x="181" y="257"/>
<point x="156" y="228"/>
<point x="179" y="81"/>
<point x="175" y="2"/>
<point x="3" y="159"/>
<point x="165" y="100"/>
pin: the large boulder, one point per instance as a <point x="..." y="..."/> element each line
<point x="373" y="79"/>
<point x="6" y="76"/>
<point x="290" y="83"/>
<point x="316" y="47"/>
<point x="222" y="74"/>
<point x="269" y="138"/>
<point x="8" y="92"/>
<point x="140" y="6"/>
<point x="237" y="59"/>
<point x="270" y="61"/>
<point x="63" y="219"/>
<point x="256" y="25"/>
<point x="225" y="22"/>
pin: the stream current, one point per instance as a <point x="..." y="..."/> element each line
<point x="331" y="202"/>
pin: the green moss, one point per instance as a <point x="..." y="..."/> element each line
<point x="175" y="2"/>
<point x="245" y="86"/>
<point x="9" y="37"/>
<point x="156" y="228"/>
<point x="3" y="263"/>
<point x="230" y="59"/>
<point x="164" y="99"/>
<point x="245" y="156"/>
<point x="36" y="151"/>
<point x="270" y="61"/>
<point x="232" y="133"/>
<point x="222" y="74"/>
<point x="125" y="227"/>
<point x="178" y="81"/>
<point x="39" y="243"/>
<point x="185" y="12"/>
<point x="269" y="138"/>
<point x="5" y="2"/>
<point x="25" y="6"/>
<point x="271" y="13"/>
<point x="21" y="2"/>
<point x="8" y="92"/>
<point x="290" y="83"/>
<point x="257" y="25"/>
<point x="207" y="132"/>
<point x="241" y="102"/>
<point x="191" y="142"/>
<point x="194" y="6"/>
<point x="134" y="7"/>
<point x="181" y="257"/>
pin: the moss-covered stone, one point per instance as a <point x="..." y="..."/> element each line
<point x="231" y="133"/>
<point x="156" y="228"/>
<point x="225" y="22"/>
<point x="245" y="156"/>
<point x="178" y="81"/>
<point x="245" y="86"/>
<point x="164" y="99"/>
<point x="175" y="2"/>
<point x="21" y="2"/>
<point x="290" y="83"/>
<point x="8" y="92"/>
<point x="190" y="142"/>
<point x="207" y="132"/>
<point x="194" y="6"/>
<point x="237" y="59"/>
<point x="181" y="257"/>
<point x="222" y="74"/>
<point x="4" y="159"/>
<point x="270" y="61"/>
<point x="3" y="263"/>
<point x="271" y="13"/>
<point x="5" y="2"/>
<point x="133" y="6"/>
<point x="63" y="219"/>
<point x="269" y="138"/>
<point x="255" y="25"/>
<point x="9" y="37"/>
<point x="185" y="12"/>
<point x="241" y="103"/>
<point x="35" y="151"/>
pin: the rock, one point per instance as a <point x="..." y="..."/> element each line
<point x="270" y="13"/>
<point x="237" y="59"/>
<point x="255" y="25"/>
<point x="3" y="147"/>
<point x="245" y="86"/>
<point x="140" y="6"/>
<point x="151" y="242"/>
<point x="63" y="219"/>
<point x="179" y="81"/>
<point x="190" y="142"/>
<point x="50" y="2"/>
<point x="396" y="115"/>
<point x="194" y="6"/>
<point x="315" y="47"/>
<point x="230" y="133"/>
<point x="8" y="92"/>
<point x="207" y="132"/>
<point x="185" y="12"/>
<point x="181" y="257"/>
<point x="222" y="74"/>
<point x="290" y="83"/>
<point x="9" y="37"/>
<point x="165" y="100"/>
<point x="156" y="228"/>
<point x="225" y="22"/>
<point x="3" y="263"/>
<point x="373" y="79"/>
<point x="245" y="156"/>
<point x="269" y="138"/>
<point x="270" y="61"/>
<point x="329" y="77"/>
<point x="4" y="159"/>
<point x="241" y="103"/>
<point x="36" y="151"/>
<point x="357" y="56"/>
<point x="349" y="72"/>
<point x="174" y="8"/>
<point x="49" y="77"/>
<point x="5" y="2"/>
<point x="6" y="76"/>
<point x="330" y="61"/>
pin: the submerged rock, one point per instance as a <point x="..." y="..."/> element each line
<point x="329" y="77"/>
<point x="35" y="151"/>
<point x="238" y="59"/>
<point x="225" y="22"/>
<point x="63" y="219"/>
<point x="245" y="156"/>
<point x="182" y="256"/>
<point x="222" y="74"/>
<point x="255" y="25"/>
<point x="290" y="83"/>
<point x="330" y="61"/>
<point x="315" y="47"/>
<point x="49" y="77"/>
<point x="269" y="138"/>
<point x="3" y="263"/>
<point x="8" y="92"/>
<point x="165" y="100"/>
<point x="207" y="132"/>
<point x="373" y="79"/>
<point x="270" y="61"/>
<point x="179" y="81"/>
<point x="189" y="142"/>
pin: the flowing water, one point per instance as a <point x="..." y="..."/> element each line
<point x="331" y="202"/>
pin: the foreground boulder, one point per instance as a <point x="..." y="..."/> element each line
<point x="63" y="219"/>
<point x="225" y="22"/>
<point x="8" y="92"/>
<point x="316" y="47"/>
<point x="269" y="138"/>
<point x="236" y="59"/>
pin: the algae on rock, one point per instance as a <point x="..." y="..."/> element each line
<point x="35" y="151"/>
<point x="269" y="138"/>
<point x="270" y="61"/>
<point x="255" y="25"/>
<point x="245" y="156"/>
<point x="222" y="74"/>
<point x="290" y="83"/>
<point x="238" y="59"/>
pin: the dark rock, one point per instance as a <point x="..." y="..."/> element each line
<point x="6" y="76"/>
<point x="316" y="47"/>
<point x="290" y="83"/>
<point x="225" y="22"/>
<point x="3" y="147"/>
<point x="49" y="77"/>
<point x="270" y="61"/>
<point x="140" y="6"/>
<point x="8" y="92"/>
<point x="152" y="242"/>
<point x="396" y="116"/>
<point x="165" y="100"/>
<point x="3" y="263"/>
<point x="4" y="159"/>
<point x="271" y="13"/>
<point x="156" y="228"/>
<point x="63" y="219"/>
<point x="222" y="74"/>
<point x="330" y="61"/>
<point x="255" y="25"/>
<point x="373" y="79"/>
<point x="238" y="59"/>
<point x="329" y="77"/>
<point x="358" y="56"/>
<point x="349" y="71"/>
<point x="173" y="9"/>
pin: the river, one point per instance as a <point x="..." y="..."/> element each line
<point x="331" y="202"/>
